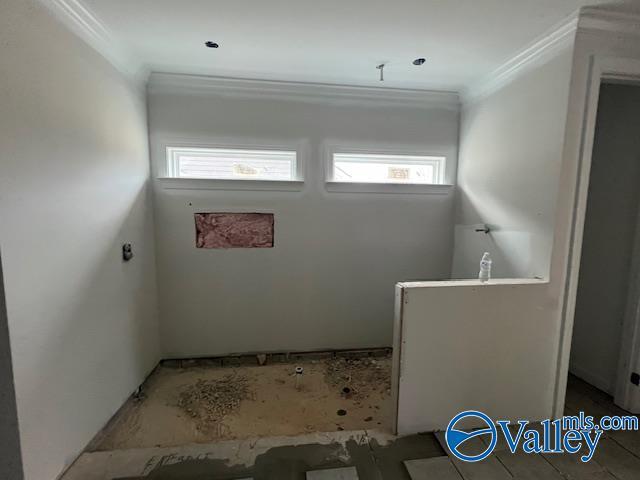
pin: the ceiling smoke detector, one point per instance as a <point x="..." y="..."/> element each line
<point x="211" y="44"/>
<point x="419" y="61"/>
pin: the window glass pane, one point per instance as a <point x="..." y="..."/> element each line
<point x="233" y="164"/>
<point x="387" y="168"/>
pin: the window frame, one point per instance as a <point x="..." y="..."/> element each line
<point x="173" y="161"/>
<point x="167" y="173"/>
<point x="332" y="185"/>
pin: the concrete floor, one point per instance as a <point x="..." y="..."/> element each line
<point x="374" y="455"/>
<point x="278" y="458"/>
<point x="272" y="404"/>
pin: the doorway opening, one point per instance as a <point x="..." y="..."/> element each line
<point x="602" y="373"/>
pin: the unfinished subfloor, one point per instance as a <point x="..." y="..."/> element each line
<point x="370" y="455"/>
<point x="185" y="402"/>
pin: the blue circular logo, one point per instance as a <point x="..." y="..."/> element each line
<point x="456" y="438"/>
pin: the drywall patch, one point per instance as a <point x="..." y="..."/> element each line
<point x="234" y="230"/>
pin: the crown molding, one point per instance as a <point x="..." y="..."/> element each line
<point x="85" y="24"/>
<point x="168" y="83"/>
<point x="609" y="21"/>
<point x="545" y="47"/>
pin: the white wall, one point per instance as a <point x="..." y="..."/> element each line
<point x="464" y="345"/>
<point x="328" y="283"/>
<point x="73" y="188"/>
<point x="609" y="231"/>
<point x="510" y="155"/>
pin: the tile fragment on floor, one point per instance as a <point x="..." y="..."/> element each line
<point x="487" y="469"/>
<point x="524" y="466"/>
<point x="437" y="468"/>
<point x="348" y="473"/>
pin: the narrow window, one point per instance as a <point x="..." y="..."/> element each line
<point x="384" y="168"/>
<point x="231" y="164"/>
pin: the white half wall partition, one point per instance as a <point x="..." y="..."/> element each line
<point x="467" y="345"/>
<point x="503" y="347"/>
<point x="493" y="347"/>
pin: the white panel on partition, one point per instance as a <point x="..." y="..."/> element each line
<point x="467" y="345"/>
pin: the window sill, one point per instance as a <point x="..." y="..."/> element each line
<point x="175" y="183"/>
<point x="397" y="188"/>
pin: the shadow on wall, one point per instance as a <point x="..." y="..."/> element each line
<point x="10" y="457"/>
<point x="511" y="145"/>
<point x="510" y="252"/>
<point x="513" y="251"/>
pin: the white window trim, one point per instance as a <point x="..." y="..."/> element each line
<point x="166" y="173"/>
<point x="331" y="148"/>
<point x="182" y="183"/>
<point x="173" y="160"/>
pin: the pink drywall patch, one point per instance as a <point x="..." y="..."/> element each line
<point x="234" y="230"/>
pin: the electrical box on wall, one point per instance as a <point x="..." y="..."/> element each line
<point x="127" y="252"/>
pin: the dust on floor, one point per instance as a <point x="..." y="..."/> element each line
<point x="375" y="455"/>
<point x="202" y="404"/>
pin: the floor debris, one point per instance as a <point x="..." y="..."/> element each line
<point x="357" y="378"/>
<point x="208" y="401"/>
<point x="219" y="400"/>
<point x="375" y="455"/>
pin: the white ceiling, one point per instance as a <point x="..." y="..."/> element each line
<point x="332" y="41"/>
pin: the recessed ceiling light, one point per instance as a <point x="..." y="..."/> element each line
<point x="211" y="44"/>
<point x="419" y="61"/>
